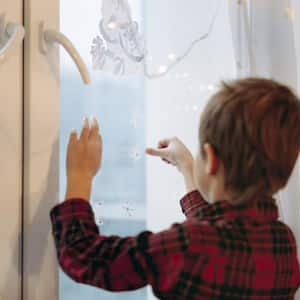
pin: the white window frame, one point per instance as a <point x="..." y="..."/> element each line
<point x="11" y="119"/>
<point x="41" y="111"/>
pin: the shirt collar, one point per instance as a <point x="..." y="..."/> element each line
<point x="266" y="210"/>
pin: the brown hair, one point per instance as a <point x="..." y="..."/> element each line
<point x="253" y="125"/>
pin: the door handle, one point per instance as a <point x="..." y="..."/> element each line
<point x="11" y="37"/>
<point x="50" y="36"/>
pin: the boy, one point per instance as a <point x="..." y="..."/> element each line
<point x="232" y="245"/>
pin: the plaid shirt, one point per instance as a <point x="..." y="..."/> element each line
<point x="219" y="252"/>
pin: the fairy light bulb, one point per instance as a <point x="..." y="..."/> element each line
<point x="290" y="13"/>
<point x="210" y="87"/>
<point x="172" y="56"/>
<point x="162" y="69"/>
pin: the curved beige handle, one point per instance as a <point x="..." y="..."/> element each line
<point x="49" y="36"/>
<point x="11" y="38"/>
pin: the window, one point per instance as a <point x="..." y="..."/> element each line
<point x="134" y="192"/>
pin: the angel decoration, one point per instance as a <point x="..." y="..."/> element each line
<point x="120" y="46"/>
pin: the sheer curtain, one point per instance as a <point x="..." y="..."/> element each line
<point x="266" y="42"/>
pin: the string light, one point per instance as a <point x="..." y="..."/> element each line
<point x="290" y="13"/>
<point x="171" y="56"/>
<point x="120" y="45"/>
<point x="210" y="87"/>
<point x="180" y="58"/>
<point x="162" y="69"/>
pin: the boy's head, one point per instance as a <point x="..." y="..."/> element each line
<point x="249" y="140"/>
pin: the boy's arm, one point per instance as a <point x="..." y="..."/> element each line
<point x="193" y="200"/>
<point x="191" y="203"/>
<point x="114" y="263"/>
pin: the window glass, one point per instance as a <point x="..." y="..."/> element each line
<point x="133" y="192"/>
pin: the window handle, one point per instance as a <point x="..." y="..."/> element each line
<point x="11" y="38"/>
<point x="50" y="36"/>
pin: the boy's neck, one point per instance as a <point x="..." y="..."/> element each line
<point x="217" y="193"/>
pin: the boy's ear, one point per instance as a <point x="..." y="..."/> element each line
<point x="212" y="161"/>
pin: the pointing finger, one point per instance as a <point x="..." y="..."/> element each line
<point x="155" y="152"/>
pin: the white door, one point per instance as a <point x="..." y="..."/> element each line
<point x="11" y="118"/>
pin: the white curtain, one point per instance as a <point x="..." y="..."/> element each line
<point x="266" y="40"/>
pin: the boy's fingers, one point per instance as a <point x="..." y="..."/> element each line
<point x="163" y="143"/>
<point x="73" y="137"/>
<point x="165" y="160"/>
<point x="94" y="128"/>
<point x="85" y="130"/>
<point x="72" y="140"/>
<point x="95" y="137"/>
<point x="96" y="123"/>
<point x="155" y="152"/>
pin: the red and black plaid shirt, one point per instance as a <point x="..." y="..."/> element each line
<point x="219" y="252"/>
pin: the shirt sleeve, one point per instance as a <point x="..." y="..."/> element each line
<point x="111" y="262"/>
<point x="191" y="203"/>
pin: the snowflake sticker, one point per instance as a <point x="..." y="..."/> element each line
<point x="135" y="154"/>
<point x="127" y="207"/>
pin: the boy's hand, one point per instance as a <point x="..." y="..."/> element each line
<point x="174" y="152"/>
<point x="83" y="160"/>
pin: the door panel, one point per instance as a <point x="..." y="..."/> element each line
<point x="11" y="97"/>
<point x="41" y="111"/>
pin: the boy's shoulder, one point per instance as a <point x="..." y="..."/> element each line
<point x="211" y="236"/>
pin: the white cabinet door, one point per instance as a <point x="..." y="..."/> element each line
<point x="11" y="102"/>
